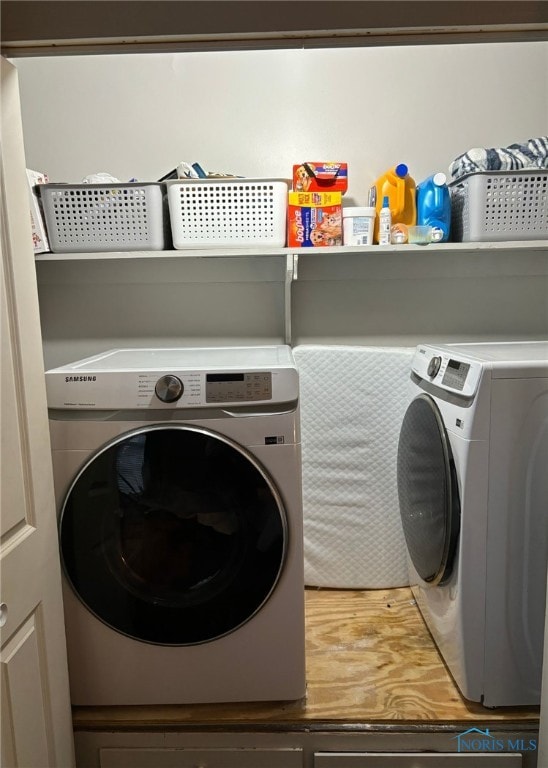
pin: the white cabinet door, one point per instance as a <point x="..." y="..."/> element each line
<point x="36" y="717"/>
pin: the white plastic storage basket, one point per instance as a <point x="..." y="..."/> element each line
<point x="500" y="205"/>
<point x="210" y="213"/>
<point x="99" y="217"/>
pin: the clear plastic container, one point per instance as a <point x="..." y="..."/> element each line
<point x="420" y="235"/>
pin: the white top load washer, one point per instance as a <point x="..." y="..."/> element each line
<point x="178" y="481"/>
<point x="473" y="490"/>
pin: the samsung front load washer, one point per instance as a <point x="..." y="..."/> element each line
<point x="178" y="480"/>
<point x="473" y="488"/>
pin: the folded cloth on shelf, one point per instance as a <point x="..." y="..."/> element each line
<point x="531" y="154"/>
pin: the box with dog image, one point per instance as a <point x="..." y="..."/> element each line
<point x="314" y="219"/>
<point x="320" y="177"/>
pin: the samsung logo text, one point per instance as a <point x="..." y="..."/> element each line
<point x="80" y="378"/>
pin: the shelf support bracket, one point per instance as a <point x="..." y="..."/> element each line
<point x="291" y="273"/>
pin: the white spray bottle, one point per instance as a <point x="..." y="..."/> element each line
<point x="385" y="222"/>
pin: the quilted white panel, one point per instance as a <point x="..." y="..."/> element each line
<point x="352" y="404"/>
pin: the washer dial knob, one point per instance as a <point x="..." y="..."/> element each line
<point x="169" y="388"/>
<point x="434" y="366"/>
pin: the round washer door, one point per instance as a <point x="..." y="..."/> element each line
<point x="173" y="535"/>
<point x="427" y="491"/>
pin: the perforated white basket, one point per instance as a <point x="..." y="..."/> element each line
<point x="97" y="217"/>
<point x="500" y="205"/>
<point x="209" y="213"/>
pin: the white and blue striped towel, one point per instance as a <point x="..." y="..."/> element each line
<point x="531" y="154"/>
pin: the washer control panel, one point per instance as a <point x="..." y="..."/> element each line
<point x="178" y="389"/>
<point x="238" y="387"/>
<point x="455" y="374"/>
<point x="177" y="379"/>
<point x="157" y="390"/>
<point x="446" y="370"/>
<point x="169" y="388"/>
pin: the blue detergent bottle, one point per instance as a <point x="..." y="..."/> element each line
<point x="434" y="206"/>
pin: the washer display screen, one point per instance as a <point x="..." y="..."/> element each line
<point x="455" y="374"/>
<point x="173" y="535"/>
<point x="234" y="387"/>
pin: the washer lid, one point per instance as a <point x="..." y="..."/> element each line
<point x="503" y="351"/>
<point x="182" y="358"/>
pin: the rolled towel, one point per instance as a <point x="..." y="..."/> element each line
<point x="531" y="154"/>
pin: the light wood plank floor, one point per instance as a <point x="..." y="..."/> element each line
<point x="370" y="659"/>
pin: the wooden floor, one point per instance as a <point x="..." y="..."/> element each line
<point x="370" y="659"/>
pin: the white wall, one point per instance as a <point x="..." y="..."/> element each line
<point x="255" y="113"/>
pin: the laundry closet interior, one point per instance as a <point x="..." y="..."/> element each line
<point x="375" y="680"/>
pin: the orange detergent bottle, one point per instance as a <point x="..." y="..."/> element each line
<point x="401" y="190"/>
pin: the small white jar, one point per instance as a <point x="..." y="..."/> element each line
<point x="358" y="225"/>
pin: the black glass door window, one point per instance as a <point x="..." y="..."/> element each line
<point x="428" y="491"/>
<point x="173" y="535"/>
